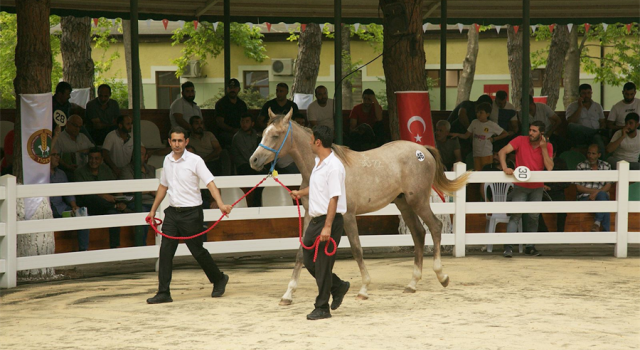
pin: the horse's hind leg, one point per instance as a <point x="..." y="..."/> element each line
<point x="423" y="209"/>
<point x="351" y="229"/>
<point x="417" y="233"/>
<point x="287" y="298"/>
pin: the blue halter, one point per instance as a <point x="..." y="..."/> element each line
<point x="273" y="164"/>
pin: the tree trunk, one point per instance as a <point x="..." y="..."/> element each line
<point x="555" y="64"/>
<point x="571" y="69"/>
<point x="33" y="76"/>
<point x="403" y="57"/>
<point x="75" y="46"/>
<point x="308" y="61"/>
<point x="469" y="66"/>
<point x="347" y="84"/>
<point x="126" y="39"/>
<point x="514" y="51"/>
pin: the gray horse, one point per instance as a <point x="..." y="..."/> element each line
<point x="401" y="172"/>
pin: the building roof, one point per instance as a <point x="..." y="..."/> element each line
<point x="353" y="11"/>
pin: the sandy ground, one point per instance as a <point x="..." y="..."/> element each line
<point x="547" y="302"/>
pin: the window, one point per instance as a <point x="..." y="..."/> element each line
<point x="453" y="76"/>
<point x="258" y="81"/>
<point x="167" y="89"/>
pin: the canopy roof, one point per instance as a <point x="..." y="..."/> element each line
<point x="353" y="11"/>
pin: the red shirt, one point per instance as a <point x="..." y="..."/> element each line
<point x="359" y="115"/>
<point x="8" y="147"/>
<point x="530" y="157"/>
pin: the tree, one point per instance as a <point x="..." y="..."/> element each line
<point x="468" y="65"/>
<point x="347" y="84"/>
<point x="75" y="46"/>
<point x="102" y="38"/>
<point x="571" y="78"/>
<point x="308" y="61"/>
<point x="514" y="52"/>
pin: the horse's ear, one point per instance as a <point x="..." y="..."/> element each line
<point x="271" y="115"/>
<point x="287" y="117"/>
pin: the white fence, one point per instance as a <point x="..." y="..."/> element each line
<point x="10" y="228"/>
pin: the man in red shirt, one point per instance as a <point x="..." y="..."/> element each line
<point x="365" y="123"/>
<point x="535" y="153"/>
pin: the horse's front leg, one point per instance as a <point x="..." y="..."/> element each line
<point x="287" y="298"/>
<point x="351" y="229"/>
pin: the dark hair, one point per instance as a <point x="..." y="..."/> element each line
<point x="120" y="119"/>
<point x="315" y="92"/>
<point x="247" y="115"/>
<point x="632" y="116"/>
<point x="95" y="150"/>
<point x="179" y="130"/>
<point x="62" y="87"/>
<point x="284" y="85"/>
<point x="187" y="84"/>
<point x="484" y="107"/>
<point x="368" y="92"/>
<point x="324" y="134"/>
<point x="629" y="86"/>
<point x="105" y="86"/>
<point x="193" y="119"/>
<point x="485" y="99"/>
<point x="531" y="99"/>
<point x="584" y="87"/>
<point x="501" y="95"/>
<point x="300" y="115"/>
<point x="539" y="124"/>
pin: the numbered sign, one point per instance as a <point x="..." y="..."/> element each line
<point x="60" y="118"/>
<point x="522" y="173"/>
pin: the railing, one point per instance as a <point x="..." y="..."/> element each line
<point x="10" y="228"/>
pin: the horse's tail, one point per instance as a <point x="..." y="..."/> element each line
<point x="343" y="153"/>
<point x="440" y="180"/>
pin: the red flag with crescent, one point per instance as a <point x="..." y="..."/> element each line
<point x="414" y="116"/>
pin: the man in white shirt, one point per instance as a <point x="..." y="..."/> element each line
<point x="118" y="145"/>
<point x="184" y="108"/>
<point x="586" y="119"/>
<point x="625" y="143"/>
<point x="501" y="102"/>
<point x="73" y="146"/>
<point x="181" y="177"/>
<point x="320" y="111"/>
<point x="619" y="111"/>
<point x="327" y="202"/>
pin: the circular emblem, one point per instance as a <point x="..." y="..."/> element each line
<point x="522" y="173"/>
<point x="60" y="118"/>
<point x="39" y="146"/>
<point x="420" y="156"/>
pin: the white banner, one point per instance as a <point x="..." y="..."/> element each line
<point x="35" y="114"/>
<point x="303" y="100"/>
<point x="80" y="97"/>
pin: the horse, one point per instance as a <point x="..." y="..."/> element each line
<point x="401" y="172"/>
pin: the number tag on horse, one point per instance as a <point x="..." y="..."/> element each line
<point x="522" y="173"/>
<point x="420" y="156"/>
<point x="60" y="117"/>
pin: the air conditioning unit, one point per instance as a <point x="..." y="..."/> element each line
<point x="192" y="70"/>
<point x="282" y="66"/>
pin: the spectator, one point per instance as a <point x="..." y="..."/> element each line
<point x="147" y="172"/>
<point x="184" y="107"/>
<point x="542" y="112"/>
<point x="244" y="144"/>
<point x="619" y="111"/>
<point x="102" y="114"/>
<point x="7" y="160"/>
<point x="118" y="145"/>
<point x="501" y="102"/>
<point x="61" y="105"/>
<point x="461" y="117"/>
<point x="320" y="111"/>
<point x="595" y="191"/>
<point x="535" y="153"/>
<point x="448" y="147"/>
<point x="229" y="110"/>
<point x="66" y="203"/>
<point x="625" y="143"/>
<point x="484" y="132"/>
<point x="300" y="119"/>
<point x="100" y="204"/>
<point x="555" y="190"/>
<point x="586" y="119"/>
<point x="73" y="146"/>
<point x="279" y="105"/>
<point x="208" y="148"/>
<point x="365" y="123"/>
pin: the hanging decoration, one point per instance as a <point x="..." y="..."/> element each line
<point x="195" y="25"/>
<point x="250" y="25"/>
<point x="356" y="26"/>
<point x="587" y="26"/>
<point x="424" y="27"/>
<point x="165" y="23"/>
<point x="95" y="22"/>
<point x="604" y="26"/>
<point x="515" y="28"/>
<point x="552" y="27"/>
<point x="268" y="26"/>
<point x="460" y="26"/>
<point x="629" y="28"/>
<point x="533" y="28"/>
<point x="569" y="26"/>
<point x="498" y="29"/>
<point x="215" y="26"/>
<point x="303" y="27"/>
<point x="148" y="22"/>
<point x="477" y="26"/>
<point x="181" y="23"/>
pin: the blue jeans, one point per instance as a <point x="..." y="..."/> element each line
<point x="83" y="235"/>
<point x="603" y="218"/>
<point x="529" y="220"/>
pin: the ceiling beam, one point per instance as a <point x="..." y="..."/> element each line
<point x="430" y="9"/>
<point x="206" y="7"/>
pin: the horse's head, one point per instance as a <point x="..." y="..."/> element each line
<point x="272" y="137"/>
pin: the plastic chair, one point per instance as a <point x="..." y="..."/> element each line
<point x="276" y="197"/>
<point x="231" y="195"/>
<point x="634" y="192"/>
<point x="499" y="194"/>
<point x="572" y="158"/>
<point x="150" y="135"/>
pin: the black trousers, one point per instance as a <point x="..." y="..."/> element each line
<point x="97" y="205"/>
<point x="184" y="222"/>
<point x="322" y="270"/>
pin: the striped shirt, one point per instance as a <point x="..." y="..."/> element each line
<point x="602" y="165"/>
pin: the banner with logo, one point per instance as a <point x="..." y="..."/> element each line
<point x="35" y="115"/>
<point x="414" y="116"/>
<point x="80" y="97"/>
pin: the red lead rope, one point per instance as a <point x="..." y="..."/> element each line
<point x="156" y="222"/>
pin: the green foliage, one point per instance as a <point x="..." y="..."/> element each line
<point x="251" y="97"/>
<point x="102" y="38"/>
<point x="205" y="42"/>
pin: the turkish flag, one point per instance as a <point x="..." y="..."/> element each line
<point x="414" y="116"/>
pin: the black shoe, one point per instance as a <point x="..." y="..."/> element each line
<point x="318" y="314"/>
<point x="531" y="251"/>
<point x="339" y="296"/>
<point x="218" y="288"/>
<point x="160" y="298"/>
<point x="508" y="253"/>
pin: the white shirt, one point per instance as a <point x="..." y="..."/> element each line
<point x="620" y="110"/>
<point x="184" y="107"/>
<point x="588" y="117"/>
<point x="543" y="114"/>
<point x="482" y="132"/>
<point x="327" y="181"/>
<point x="65" y="144"/>
<point x="321" y="115"/>
<point x="629" y="148"/>
<point x="494" y="111"/>
<point x="182" y="177"/>
<point x="120" y="151"/>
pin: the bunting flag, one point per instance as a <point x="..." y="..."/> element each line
<point x="95" y="22"/>
<point x="113" y="22"/>
<point x="195" y="25"/>
<point x="286" y="26"/>
<point x="604" y="26"/>
<point x="165" y="23"/>
<point x="477" y="27"/>
<point x="440" y="26"/>
<point x="498" y="29"/>
<point x="460" y="26"/>
<point x="148" y="22"/>
<point x="533" y="28"/>
<point x="516" y="28"/>
<point x="424" y="27"/>
<point x="303" y="27"/>
<point x="551" y="27"/>
<point x="569" y="26"/>
<point x="181" y="23"/>
<point x="268" y="26"/>
<point x="215" y="26"/>
<point x="356" y="26"/>
<point x="629" y="28"/>
<point x="321" y="27"/>
<point x="250" y="25"/>
<point x="586" y="27"/>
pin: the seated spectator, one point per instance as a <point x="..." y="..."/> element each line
<point x="147" y="172"/>
<point x="184" y="107"/>
<point x="501" y="102"/>
<point x="365" y="123"/>
<point x="542" y="112"/>
<point x="243" y="145"/>
<point x="66" y="203"/>
<point x="102" y="114"/>
<point x="629" y="104"/>
<point x="300" y="119"/>
<point x="286" y="165"/>
<point x="279" y="105"/>
<point x="448" y="147"/>
<point x="100" y="204"/>
<point x="320" y="111"/>
<point x="625" y="143"/>
<point x="595" y="191"/>
<point x="229" y="109"/>
<point x="208" y="148"/>
<point x="461" y="117"/>
<point x="7" y="160"/>
<point x="555" y="190"/>
<point x="586" y="119"/>
<point x="73" y="147"/>
<point x="485" y="133"/>
<point x="118" y="146"/>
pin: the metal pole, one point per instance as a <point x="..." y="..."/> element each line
<point x="443" y="55"/>
<point x="526" y="67"/>
<point x="135" y="89"/>
<point x="337" y="11"/>
<point x="227" y="42"/>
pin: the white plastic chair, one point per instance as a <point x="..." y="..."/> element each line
<point x="231" y="195"/>
<point x="150" y="135"/>
<point x="276" y="197"/>
<point x="499" y="194"/>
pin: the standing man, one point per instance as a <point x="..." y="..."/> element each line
<point x="320" y="112"/>
<point x="185" y="107"/>
<point x="595" y="191"/>
<point x="535" y="153"/>
<point x="619" y="111"/>
<point x="102" y="113"/>
<point x="229" y="109"/>
<point x="182" y="174"/>
<point x="279" y="105"/>
<point x="60" y="101"/>
<point x="327" y="203"/>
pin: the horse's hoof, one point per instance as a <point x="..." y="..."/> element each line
<point x="285" y="302"/>
<point x="445" y="283"/>
<point x="362" y="297"/>
<point x="409" y="290"/>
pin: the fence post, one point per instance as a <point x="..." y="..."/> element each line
<point x="622" y="215"/>
<point x="459" y="217"/>
<point x="8" y="243"/>
<point x="160" y="215"/>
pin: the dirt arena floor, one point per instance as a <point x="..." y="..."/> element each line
<point x="566" y="299"/>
